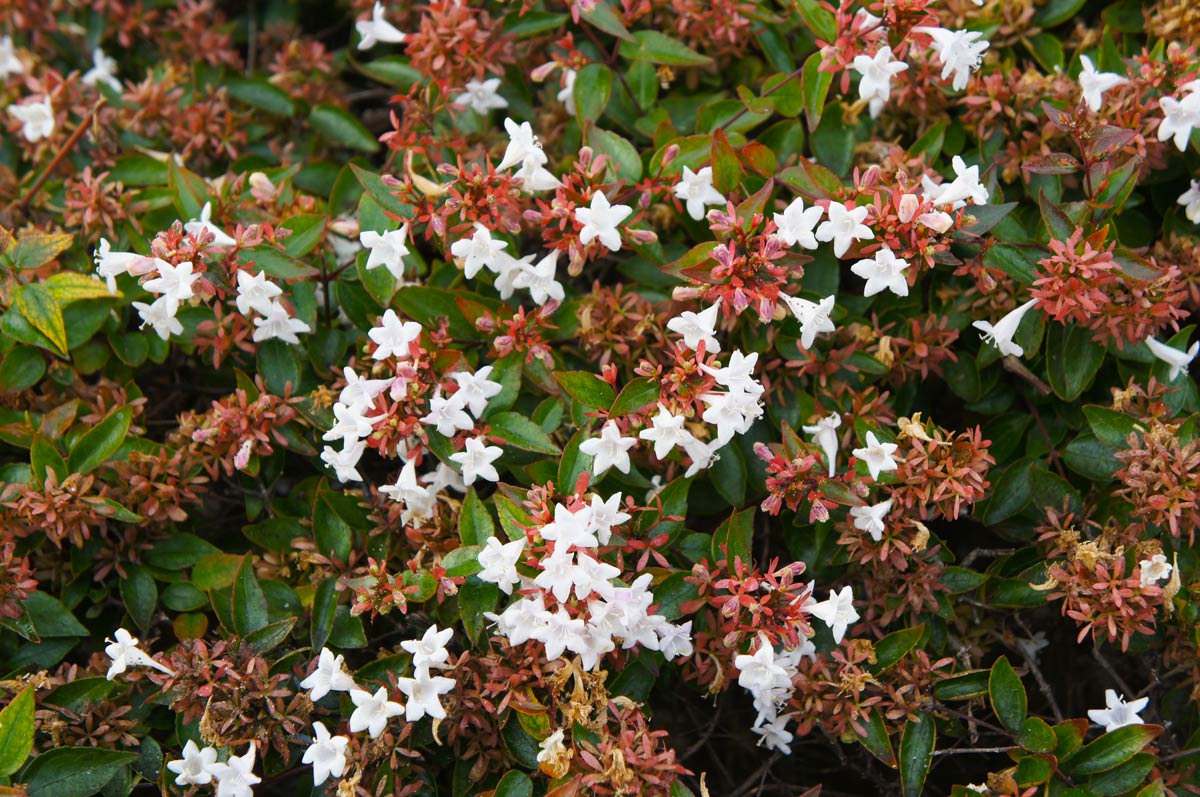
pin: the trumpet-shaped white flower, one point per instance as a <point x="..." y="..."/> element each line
<point x="697" y="191"/>
<point x="600" y="222"/>
<point x="1117" y="713"/>
<point x="387" y="249"/>
<point x="394" y="337"/>
<point x="1154" y="570"/>
<point x="814" y="317"/>
<point x="110" y="264"/>
<point x="877" y="456"/>
<point x="523" y="146"/>
<point x="883" y="271"/>
<point x="499" y="561"/>
<point x="960" y="51"/>
<point x="1001" y="334"/>
<point x="797" y="224"/>
<point x="360" y="391"/>
<point x="424" y="694"/>
<point x="837" y="611"/>
<point x="609" y="450"/>
<point x="481" y="96"/>
<point x="566" y="95"/>
<point x="329" y="676"/>
<point x="377" y="29"/>
<point x="540" y="280"/>
<point x="220" y="237"/>
<point x="448" y="415"/>
<point x="604" y="515"/>
<point x="1093" y="84"/>
<point x="36" y="118"/>
<point x="255" y="292"/>
<point x="1179" y="117"/>
<point x="196" y="766"/>
<point x="235" y="777"/>
<point x="476" y="389"/>
<point x="666" y="432"/>
<point x="327" y="754"/>
<point x="774" y="734"/>
<point x="697" y="327"/>
<point x="965" y="186"/>
<point x="430" y="650"/>
<point x="824" y="433"/>
<point x="1190" y="199"/>
<point x="277" y="322"/>
<point x="104" y="70"/>
<point x="476" y="460"/>
<point x="372" y="711"/>
<point x="1178" y="360"/>
<point x="160" y="315"/>
<point x="870" y="518"/>
<point x="9" y="63"/>
<point x="844" y="226"/>
<point x="419" y="502"/>
<point x="877" y="72"/>
<point x="174" y="282"/>
<point x="345" y="462"/>
<point x="481" y="250"/>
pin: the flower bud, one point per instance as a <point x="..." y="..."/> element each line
<point x="908" y="207"/>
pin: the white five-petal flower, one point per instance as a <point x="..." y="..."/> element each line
<point x="393" y="337"/>
<point x="481" y="250"/>
<point x="1154" y="570"/>
<point x="1001" y="333"/>
<point x="476" y="460"/>
<point x="600" y="222"/>
<point x="697" y="191"/>
<point x="844" y="226"/>
<point x="837" y="611"/>
<point x="499" y="561"/>
<point x="1190" y="199"/>
<point x="125" y="653"/>
<point x="877" y="456"/>
<point x="235" y="777"/>
<point x="877" y="72"/>
<point x="424" y="693"/>
<point x="1180" y="116"/>
<point x="221" y="239"/>
<point x="386" y="249"/>
<point x="824" y="433"/>
<point x="666" y="432"/>
<point x="372" y="711"/>
<point x="797" y="224"/>
<point x="327" y="754"/>
<point x="1117" y="713"/>
<point x="481" y="96"/>
<point x="9" y="63"/>
<point x="883" y="271"/>
<point x="195" y="768"/>
<point x="609" y="450"/>
<point x="814" y="317"/>
<point x="960" y="51"/>
<point x="36" y="118"/>
<point x="377" y="29"/>
<point x="1093" y="84"/>
<point x="870" y="518"/>
<point x="329" y="676"/>
<point x="697" y="327"/>
<point x="104" y="70"/>
<point x="1178" y="360"/>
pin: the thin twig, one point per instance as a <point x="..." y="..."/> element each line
<point x="964" y="750"/>
<point x="1108" y="668"/>
<point x="23" y="202"/>
<point x="978" y="552"/>
<point x="1031" y="661"/>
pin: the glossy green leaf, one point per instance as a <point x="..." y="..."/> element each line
<point x="100" y="442"/>
<point x="337" y="125"/>
<point x="73" y="771"/>
<point x="917" y="742"/>
<point x="16" y="732"/>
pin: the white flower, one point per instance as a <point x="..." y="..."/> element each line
<point x="1154" y="569"/>
<point x="9" y="63"/>
<point x="220" y="237"/>
<point x="877" y="72"/>
<point x="476" y="460"/>
<point x="797" y="223"/>
<point x="825" y="435"/>
<point x="877" y="455"/>
<point x="448" y="415"/>
<point x="566" y="95"/>
<point x="696" y="190"/>
<point x="160" y="315"/>
<point x="509" y="268"/>
<point x="393" y="337"/>
<point x="666" y="432"/>
<point x="844" y="226"/>
<point x="387" y="249"/>
<point x="329" y="676"/>
<point x="110" y="264"/>
<point x="377" y="29"/>
<point x="327" y="754"/>
<point x="738" y="374"/>
<point x="499" y="561"/>
<point x="535" y="177"/>
<point x="1117" y="713"/>
<point x="195" y="768"/>
<point x="372" y="711"/>
<point x="540" y="280"/>
<point x="1001" y="335"/>
<point x="560" y="633"/>
<point x="775" y="735"/>
<point x="870" y="518"/>
<point x="836" y="611"/>
<point x="475" y="389"/>
<point x="609" y="450"/>
<point x="883" y="271"/>
<point x="1179" y="117"/>
<point x="255" y="292"/>
<point x="174" y="282"/>
<point x="235" y="777"/>
<point x="523" y="146"/>
<point x="732" y="413"/>
<point x="959" y="52"/>
<point x="277" y="322"/>
<point x="430" y="650"/>
<point x="759" y="672"/>
<point x="481" y="96"/>
<point x="423" y="692"/>
<point x="1178" y="360"/>
<point x="418" y="501"/>
<point x="481" y="250"/>
<point x="1094" y="83"/>
<point x="570" y="528"/>
<point x="104" y="70"/>
<point x="813" y="316"/>
<point x="965" y="186"/>
<point x="1190" y="199"/>
<point x="36" y="118"/>
<point x="600" y="222"/>
<point x="360" y="391"/>
<point x="697" y="327"/>
<point x="702" y="454"/>
<point x="605" y="515"/>
<point x="345" y="462"/>
<point x="675" y="641"/>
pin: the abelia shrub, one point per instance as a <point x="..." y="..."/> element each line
<point x="599" y="397"/>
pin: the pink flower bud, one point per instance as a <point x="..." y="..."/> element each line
<point x="242" y="458"/>
<point x="543" y="71"/>
<point x="908" y="207"/>
<point x="669" y="155"/>
<point x="818" y="513"/>
<point x="937" y="221"/>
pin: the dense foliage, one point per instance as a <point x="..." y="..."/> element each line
<point x="599" y="397"/>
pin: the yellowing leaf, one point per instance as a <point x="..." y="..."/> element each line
<point x="39" y="307"/>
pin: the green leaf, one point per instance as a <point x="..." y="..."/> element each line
<point x="1056" y="12"/>
<point x="961" y="579"/>
<point x="963" y="686"/>
<point x="68" y="287"/>
<point x="50" y="618"/>
<point x="892" y="647"/>
<point x="522" y="433"/>
<point x="1091" y="458"/>
<point x="1013" y="261"/>
<point x="340" y="127"/>
<point x="306" y="229"/>
<point x="819" y="20"/>
<point x="270" y="636"/>
<point x="586" y="388"/>
<point x="727" y="169"/>
<point x="1110" y="750"/>
<point x="622" y="156"/>
<point x="573" y="461"/>
<point x="475" y="524"/>
<point x="1007" y="695"/>
<point x="462" y="561"/>
<point x="140" y="594"/>
<point x="1123" y="778"/>
<point x="275" y="262"/>
<point x="602" y="16"/>
<point x="45" y="459"/>
<point x="816" y="88"/>
<point x="189" y="188"/>
<point x="593" y="88"/>
<point x="877" y="741"/>
<point x="262" y="95"/>
<point x="73" y="771"/>
<point x="917" y="742"/>
<point x="476" y="597"/>
<point x="249" y="603"/>
<point x="100" y="442"/>
<point x="658" y="48"/>
<point x="323" y="612"/>
<point x="180" y="550"/>
<point x="1036" y="736"/>
<point x="36" y="249"/>
<point x="1072" y="360"/>
<point x="333" y="513"/>
<point x="634" y="396"/>
<point x="1110" y="426"/>
<point x="21" y="368"/>
<point x="16" y="732"/>
<point x="37" y="305"/>
<point x="514" y="784"/>
<point x="733" y="537"/>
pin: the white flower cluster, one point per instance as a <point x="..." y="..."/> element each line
<point x="767" y="675"/>
<point x="600" y="614"/>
